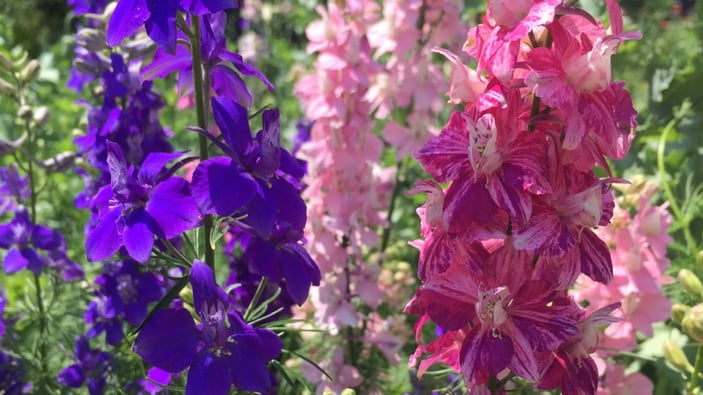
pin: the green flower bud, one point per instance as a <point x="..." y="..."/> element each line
<point x="187" y="295"/>
<point x="678" y="311"/>
<point x="675" y="356"/>
<point x="6" y="88"/>
<point x="20" y="61"/>
<point x="30" y="72"/>
<point x="25" y="112"/>
<point x="6" y="64"/>
<point x="327" y="392"/>
<point x="41" y="116"/>
<point x="348" y="391"/>
<point x="691" y="284"/>
<point x="692" y="323"/>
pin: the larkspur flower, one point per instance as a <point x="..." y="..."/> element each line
<point x="24" y="241"/>
<point x="223" y="350"/>
<point x="92" y="367"/>
<point x="220" y="62"/>
<point x="13" y="188"/>
<point x="135" y="208"/>
<point x="158" y="17"/>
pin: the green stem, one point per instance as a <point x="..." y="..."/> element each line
<point x="696" y="369"/>
<point x="201" y="112"/>
<point x="661" y="167"/>
<point x="255" y="300"/>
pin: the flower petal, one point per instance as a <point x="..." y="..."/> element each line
<point x="168" y="340"/>
<point x="128" y="16"/>
<point x="208" y="375"/>
<point x="218" y="185"/>
<point x="138" y="235"/>
<point x="172" y="207"/>
<point x="14" y="261"/>
<point x="249" y="373"/>
<point x="233" y="121"/>
<point x="104" y="240"/>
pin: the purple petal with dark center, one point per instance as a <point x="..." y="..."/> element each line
<point x="168" y="340"/>
<point x="128" y="16"/>
<point x="138" y="235"/>
<point x="233" y="121"/>
<point x="172" y="207"/>
<point x="219" y="186"/>
<point x="73" y="376"/>
<point x="154" y="164"/>
<point x="14" y="261"/>
<point x="104" y="240"/>
<point x="249" y="373"/>
<point x="161" y="25"/>
<point x="208" y="375"/>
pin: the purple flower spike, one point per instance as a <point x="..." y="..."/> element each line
<point x="222" y="351"/>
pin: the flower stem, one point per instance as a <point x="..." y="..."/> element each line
<point x="201" y="113"/>
<point x="385" y="236"/>
<point x="696" y="369"/>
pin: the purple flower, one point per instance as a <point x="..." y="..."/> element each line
<point x="92" y="365"/>
<point x="12" y="375"/>
<point x="22" y="239"/>
<point x="123" y="291"/>
<point x="159" y="18"/>
<point x="221" y="351"/>
<point x="13" y="188"/>
<point x="216" y="58"/>
<point x="132" y="209"/>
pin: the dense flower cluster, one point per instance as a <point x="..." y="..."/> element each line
<point x="508" y="237"/>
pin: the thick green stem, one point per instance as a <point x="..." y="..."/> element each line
<point x="201" y="97"/>
<point x="696" y="369"/>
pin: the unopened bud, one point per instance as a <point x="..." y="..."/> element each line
<point x="348" y="391"/>
<point x="678" y="311"/>
<point x="6" y="88"/>
<point x="6" y="64"/>
<point x="41" y="116"/>
<point x="30" y="72"/>
<point x="21" y="60"/>
<point x="60" y="162"/>
<point x="187" y="295"/>
<point x="91" y="39"/>
<point x="675" y="356"/>
<point x="692" y="323"/>
<point x="691" y="284"/>
<point x="25" y="112"/>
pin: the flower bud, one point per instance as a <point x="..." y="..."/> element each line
<point x="692" y="323"/>
<point x="675" y="356"/>
<point x="6" y="64"/>
<point x="20" y="61"/>
<point x="91" y="39"/>
<point x="25" y="112"/>
<point x="691" y="284"/>
<point x="41" y="116"/>
<point x="348" y="391"/>
<point x="678" y="311"/>
<point x="6" y="89"/>
<point x="30" y="72"/>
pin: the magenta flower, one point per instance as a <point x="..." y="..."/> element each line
<point x="510" y="315"/>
